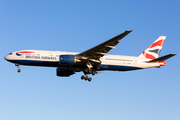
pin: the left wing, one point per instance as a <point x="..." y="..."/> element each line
<point x="102" y="49"/>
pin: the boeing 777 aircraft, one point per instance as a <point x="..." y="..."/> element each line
<point x="92" y="60"/>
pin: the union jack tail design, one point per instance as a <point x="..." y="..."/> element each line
<point x="152" y="52"/>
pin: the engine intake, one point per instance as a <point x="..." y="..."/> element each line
<point x="64" y="73"/>
<point x="68" y="59"/>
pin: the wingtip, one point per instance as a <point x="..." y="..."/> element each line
<point x="173" y="54"/>
<point x="128" y="31"/>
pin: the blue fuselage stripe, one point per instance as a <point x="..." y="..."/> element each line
<point x="56" y="64"/>
<point x="117" y="67"/>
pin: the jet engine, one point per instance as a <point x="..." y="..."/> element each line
<point x="64" y="73"/>
<point x="68" y="59"/>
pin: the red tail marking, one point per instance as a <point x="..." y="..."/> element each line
<point x="148" y="56"/>
<point x="158" y="43"/>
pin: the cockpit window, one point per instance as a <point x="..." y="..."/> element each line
<point x="10" y="53"/>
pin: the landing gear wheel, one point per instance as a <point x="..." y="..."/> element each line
<point x="86" y="78"/>
<point x="89" y="79"/>
<point x="90" y="71"/>
<point x="86" y="70"/>
<point x="82" y="77"/>
<point x="19" y="70"/>
<point x="93" y="72"/>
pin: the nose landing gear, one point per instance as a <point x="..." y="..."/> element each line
<point x="18" y="66"/>
<point x="19" y="70"/>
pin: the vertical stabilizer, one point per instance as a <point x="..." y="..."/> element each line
<point x="152" y="52"/>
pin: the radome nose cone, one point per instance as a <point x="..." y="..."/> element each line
<point x="6" y="58"/>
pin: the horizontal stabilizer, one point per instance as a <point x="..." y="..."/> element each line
<point x="162" y="58"/>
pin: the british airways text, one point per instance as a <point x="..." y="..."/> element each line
<point x="40" y="57"/>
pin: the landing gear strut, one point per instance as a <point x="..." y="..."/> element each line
<point x="88" y="70"/>
<point x="18" y="66"/>
<point x="93" y="72"/>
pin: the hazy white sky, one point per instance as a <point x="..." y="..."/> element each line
<point x="38" y="94"/>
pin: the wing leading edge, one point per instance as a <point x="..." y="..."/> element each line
<point x="103" y="48"/>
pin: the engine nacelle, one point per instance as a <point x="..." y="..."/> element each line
<point x="68" y="59"/>
<point x="64" y="73"/>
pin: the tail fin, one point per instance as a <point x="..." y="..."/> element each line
<point x="152" y="52"/>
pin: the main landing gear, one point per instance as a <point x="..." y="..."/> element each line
<point x="88" y="71"/>
<point x="86" y="78"/>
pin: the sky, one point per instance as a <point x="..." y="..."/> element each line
<point x="76" y="26"/>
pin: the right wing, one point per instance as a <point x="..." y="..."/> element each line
<point x="92" y="56"/>
<point x="102" y="49"/>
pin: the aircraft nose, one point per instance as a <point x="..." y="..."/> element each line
<point x="6" y="57"/>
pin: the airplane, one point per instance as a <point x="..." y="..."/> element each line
<point x="93" y="60"/>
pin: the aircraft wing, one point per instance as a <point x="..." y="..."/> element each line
<point x="102" y="49"/>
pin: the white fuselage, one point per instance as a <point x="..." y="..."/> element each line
<point x="51" y="59"/>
